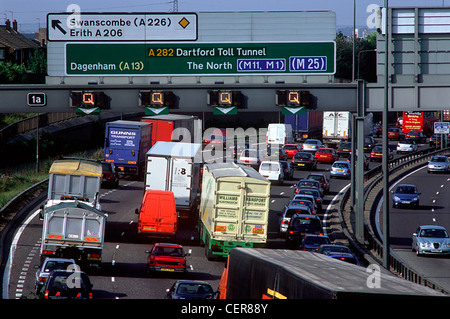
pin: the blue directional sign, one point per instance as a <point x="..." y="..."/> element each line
<point x="441" y="128"/>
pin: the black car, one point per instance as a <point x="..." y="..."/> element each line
<point x="63" y="284"/>
<point x="369" y="143"/>
<point x="110" y="175"/>
<point x="287" y="170"/>
<point x="417" y="136"/>
<point x="303" y="160"/>
<point x="190" y="289"/>
<point x="344" y="149"/>
<point x="299" y="226"/>
<point x="435" y="140"/>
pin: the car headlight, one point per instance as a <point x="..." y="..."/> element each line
<point x="415" y="199"/>
<point x="396" y="198"/>
<point x="425" y="245"/>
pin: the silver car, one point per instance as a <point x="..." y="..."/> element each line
<point x="311" y="145"/>
<point x="432" y="240"/>
<point x="49" y="265"/>
<point x="438" y="163"/>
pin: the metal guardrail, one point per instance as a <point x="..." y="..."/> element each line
<point x="373" y="244"/>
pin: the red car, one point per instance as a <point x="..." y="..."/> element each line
<point x="327" y="155"/>
<point x="395" y="134"/>
<point x="291" y="149"/>
<point x="377" y="154"/>
<point x="166" y="257"/>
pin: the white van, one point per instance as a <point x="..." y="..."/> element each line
<point x="273" y="171"/>
<point x="279" y="134"/>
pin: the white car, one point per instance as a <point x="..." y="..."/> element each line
<point x="273" y="171"/>
<point x="407" y="146"/>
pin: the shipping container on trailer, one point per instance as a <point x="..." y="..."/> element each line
<point x="175" y="128"/>
<point x="234" y="208"/>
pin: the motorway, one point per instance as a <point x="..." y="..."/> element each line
<point x="123" y="274"/>
<point x="435" y="192"/>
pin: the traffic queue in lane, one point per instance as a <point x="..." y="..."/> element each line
<point x="321" y="172"/>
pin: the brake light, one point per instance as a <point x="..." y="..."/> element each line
<point x="296" y="190"/>
<point x="48" y="252"/>
<point x="42" y="279"/>
<point x="46" y="294"/>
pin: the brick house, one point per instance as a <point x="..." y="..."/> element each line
<point x="14" y="46"/>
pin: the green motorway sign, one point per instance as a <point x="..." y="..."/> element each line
<point x="200" y="58"/>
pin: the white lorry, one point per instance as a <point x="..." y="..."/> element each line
<point x="279" y="134"/>
<point x="337" y="127"/>
<point x="176" y="167"/>
<point x="234" y="208"/>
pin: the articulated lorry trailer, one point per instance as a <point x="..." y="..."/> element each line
<point x="175" y="167"/>
<point x="175" y="128"/>
<point x="294" y="274"/>
<point x="234" y="208"/>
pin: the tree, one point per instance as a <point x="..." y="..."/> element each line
<point x="365" y="57"/>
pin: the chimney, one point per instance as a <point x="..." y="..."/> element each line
<point x="8" y="25"/>
<point x="15" y="25"/>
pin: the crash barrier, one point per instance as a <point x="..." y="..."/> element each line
<point x="398" y="167"/>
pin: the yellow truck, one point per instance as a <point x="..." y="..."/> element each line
<point x="74" y="179"/>
<point x="234" y="208"/>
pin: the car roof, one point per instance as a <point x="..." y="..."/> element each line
<point x="314" y="235"/>
<point x="341" y="162"/>
<point x="432" y="226"/>
<point x="411" y="185"/>
<point x="305" y="216"/>
<point x="184" y="281"/>
<point x="297" y="206"/>
<point x="58" y="259"/>
<point x="168" y="244"/>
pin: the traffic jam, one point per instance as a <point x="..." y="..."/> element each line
<point x="226" y="202"/>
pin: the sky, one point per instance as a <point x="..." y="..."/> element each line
<point x="30" y="14"/>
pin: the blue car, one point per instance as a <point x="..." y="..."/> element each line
<point x="340" y="169"/>
<point x="312" y="242"/>
<point x="405" y="195"/>
<point x="339" y="252"/>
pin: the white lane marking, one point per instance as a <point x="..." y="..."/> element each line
<point x="330" y="205"/>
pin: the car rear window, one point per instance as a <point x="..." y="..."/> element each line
<point x="306" y="224"/>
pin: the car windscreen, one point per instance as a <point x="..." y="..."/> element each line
<point x="194" y="289"/>
<point x="168" y="251"/>
<point x="434" y="233"/>
<point x="406" y="190"/>
<point x="438" y="159"/>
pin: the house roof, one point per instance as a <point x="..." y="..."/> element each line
<point x="13" y="39"/>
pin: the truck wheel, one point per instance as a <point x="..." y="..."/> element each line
<point x="209" y="255"/>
